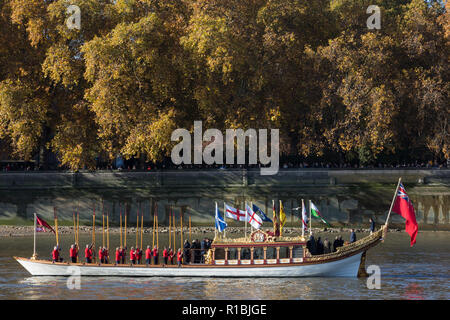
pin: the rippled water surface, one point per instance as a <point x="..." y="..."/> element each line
<point x="421" y="272"/>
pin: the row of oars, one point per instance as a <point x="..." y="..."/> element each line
<point x="123" y="239"/>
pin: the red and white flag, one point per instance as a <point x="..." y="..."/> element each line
<point x="235" y="214"/>
<point x="254" y="219"/>
<point x="403" y="206"/>
<point x="41" y="224"/>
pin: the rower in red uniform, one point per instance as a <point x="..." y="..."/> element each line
<point x="118" y="255"/>
<point x="105" y="255"/>
<point x="101" y="255"/>
<point x="73" y="252"/>
<point x="88" y="254"/>
<point x="148" y="255"/>
<point x="165" y="255"/>
<point x="179" y="257"/>
<point x="132" y="256"/>
<point x="138" y="254"/>
<point x="124" y="254"/>
<point x="55" y="254"/>
<point x="171" y="255"/>
<point x="155" y="255"/>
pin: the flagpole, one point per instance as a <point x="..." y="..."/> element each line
<point x="245" y="220"/>
<point x="310" y="227"/>
<point x="393" y="201"/>
<point x="224" y="219"/>
<point x="303" y="227"/>
<point x="215" y="227"/>
<point x="34" y="238"/>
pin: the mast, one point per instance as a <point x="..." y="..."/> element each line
<point x="34" y="238"/>
<point x="392" y="203"/>
<point x="303" y="227"/>
<point x="310" y="228"/>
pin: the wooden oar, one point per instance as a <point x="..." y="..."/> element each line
<point x="93" y="236"/>
<point x="170" y="227"/>
<point x="181" y="223"/>
<point x="174" y="230"/>
<point x="142" y="227"/>
<point x="120" y="224"/>
<point x="107" y="232"/>
<point x="125" y="231"/>
<point x="56" y="225"/>
<point x="157" y="227"/>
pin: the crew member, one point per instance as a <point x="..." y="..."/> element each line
<point x="132" y="256"/>
<point x="118" y="255"/>
<point x="179" y="257"/>
<point x="73" y="252"/>
<point x="352" y="236"/>
<point x="55" y="254"/>
<point x="124" y="254"/>
<point x="165" y="255"/>
<point x="105" y="255"/>
<point x="155" y="255"/>
<point x="138" y="255"/>
<point x="148" y="255"/>
<point x="101" y="255"/>
<point x="88" y="254"/>
<point x="171" y="255"/>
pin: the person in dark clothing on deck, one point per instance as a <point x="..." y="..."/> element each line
<point x="326" y="246"/>
<point x="319" y="246"/>
<point x="336" y="244"/>
<point x="372" y="225"/>
<point x="311" y="245"/>
<point x="186" y="252"/>
<point x="352" y="236"/>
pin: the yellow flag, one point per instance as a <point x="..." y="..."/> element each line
<point x="282" y="217"/>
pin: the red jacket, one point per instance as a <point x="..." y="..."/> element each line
<point x="73" y="252"/>
<point x="138" y="254"/>
<point x="165" y="253"/>
<point x="88" y="253"/>
<point x="155" y="252"/>
<point x="55" y="254"/>
<point x="132" y="255"/>
<point x="101" y="254"/>
<point x="118" y="255"/>
<point x="179" y="254"/>
<point x="148" y="253"/>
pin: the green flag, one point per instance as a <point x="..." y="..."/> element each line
<point x="316" y="214"/>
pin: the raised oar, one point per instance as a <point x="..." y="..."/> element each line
<point x="125" y="231"/>
<point x="93" y="236"/>
<point x="120" y="223"/>
<point x="56" y="225"/>
<point x="154" y="226"/>
<point x="181" y="223"/>
<point x="137" y="227"/>
<point x="157" y="227"/>
<point x="142" y="227"/>
<point x="107" y="232"/>
<point x="170" y="227"/>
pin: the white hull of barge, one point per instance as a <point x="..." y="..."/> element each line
<point x="346" y="267"/>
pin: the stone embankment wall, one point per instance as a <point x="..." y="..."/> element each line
<point x="345" y="197"/>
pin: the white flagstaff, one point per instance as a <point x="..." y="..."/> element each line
<point x="34" y="246"/>
<point x="303" y="227"/>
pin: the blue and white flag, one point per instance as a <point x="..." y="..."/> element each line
<point x="220" y="222"/>
<point x="263" y="216"/>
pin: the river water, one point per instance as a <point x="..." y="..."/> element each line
<point x="420" y="272"/>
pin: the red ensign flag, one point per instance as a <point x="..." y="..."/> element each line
<point x="404" y="207"/>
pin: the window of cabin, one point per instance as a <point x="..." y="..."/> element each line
<point x="245" y="254"/>
<point x="232" y="254"/>
<point x="297" y="252"/>
<point x="219" y="254"/>
<point x="271" y="252"/>
<point x="284" y="252"/>
<point x="258" y="253"/>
